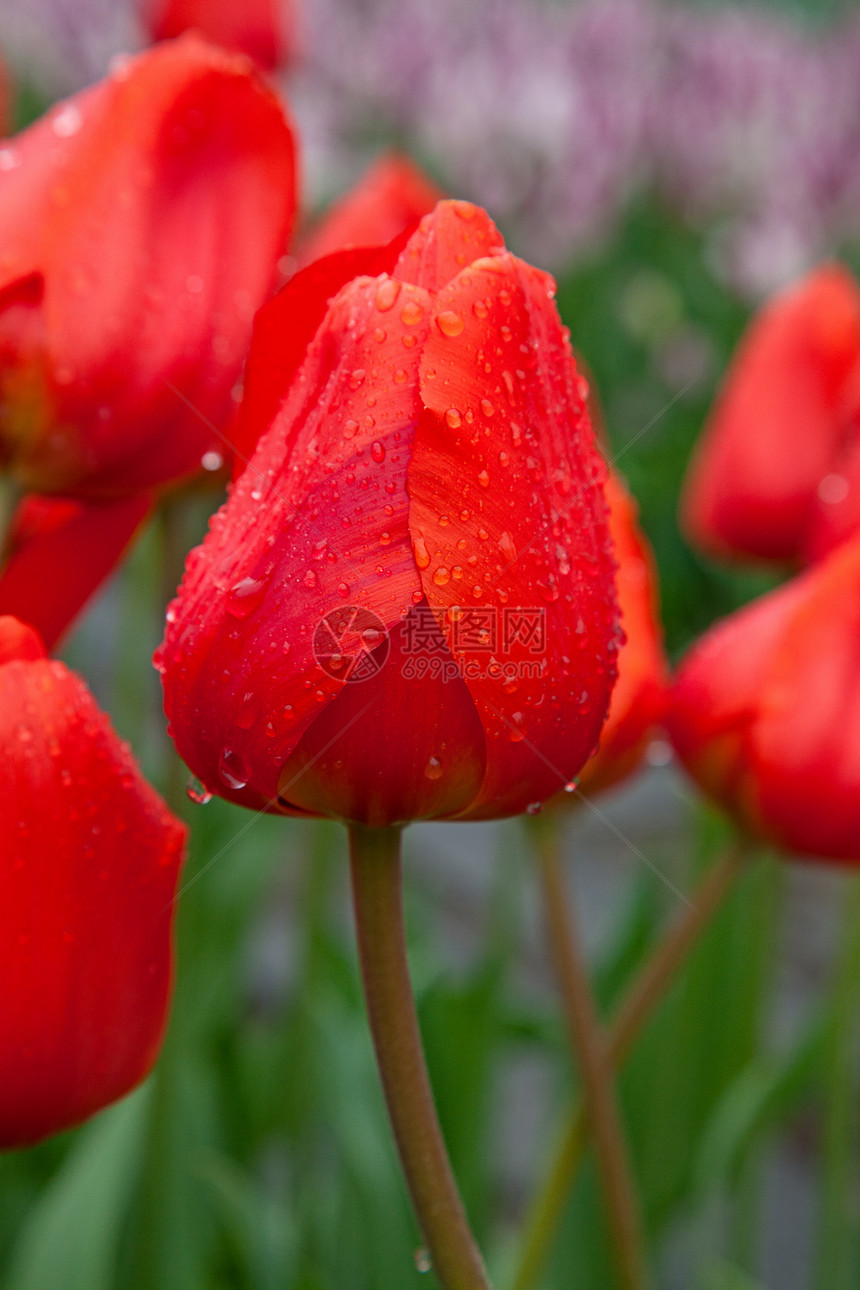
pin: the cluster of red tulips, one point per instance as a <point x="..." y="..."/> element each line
<point x="426" y="589"/>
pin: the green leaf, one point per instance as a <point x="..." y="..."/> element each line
<point x="69" y="1241"/>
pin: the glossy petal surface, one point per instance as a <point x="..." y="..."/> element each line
<point x="508" y="513"/>
<point x="90" y="858"/>
<point x="779" y="422"/>
<point x="152" y="208"/>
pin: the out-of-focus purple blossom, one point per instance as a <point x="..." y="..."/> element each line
<point x="552" y="114"/>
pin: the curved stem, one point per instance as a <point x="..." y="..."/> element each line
<point x="589" y="1048"/>
<point x="636" y="1007"/>
<point x="837" y="1242"/>
<point x="376" y="886"/>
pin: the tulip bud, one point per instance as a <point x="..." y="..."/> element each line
<point x="90" y="857"/>
<point x="779" y="422"/>
<point x="406" y="608"/>
<point x="262" y="29"/>
<point x="140" y="224"/>
<point x="764" y="711"/>
<point x="639" y="696"/>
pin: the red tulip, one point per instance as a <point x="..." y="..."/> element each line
<point x="405" y="610"/>
<point x="765" y="711"/>
<point x="90" y="858"/>
<point x="61" y="551"/>
<point x="140" y="226"/>
<point x="389" y="199"/>
<point x="779" y="423"/>
<point x="263" y="29"/>
<point x="639" y="697"/>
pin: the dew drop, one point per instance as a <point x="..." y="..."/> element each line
<point x="310" y="579"/>
<point x="442" y="576"/>
<point x="401" y="376"/>
<point x="479" y="309"/>
<point x="232" y="769"/>
<point x="356" y="378"/>
<point x="386" y="294"/>
<point x="67" y="121"/>
<point x="422" y="555"/>
<point x="384" y="538"/>
<point x="487" y="407"/>
<point x="453" y="419"/>
<point x="423" y="1262"/>
<point x="245" y="597"/>
<point x="433" y="769"/>
<point x="349" y="429"/>
<point x="197" y="791"/>
<point x="484" y="479"/>
<point x="343" y="590"/>
<point x="377" y="451"/>
<point x="515" y="731"/>
<point x="449" y="323"/>
<point x="411" y="313"/>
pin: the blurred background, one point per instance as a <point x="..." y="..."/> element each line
<point x="671" y="164"/>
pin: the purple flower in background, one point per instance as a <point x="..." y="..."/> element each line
<point x="552" y="115"/>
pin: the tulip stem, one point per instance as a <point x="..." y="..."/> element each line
<point x="10" y="495"/>
<point x="377" y="898"/>
<point x="589" y="1050"/>
<point x="635" y="1009"/>
<point x="837" y="1241"/>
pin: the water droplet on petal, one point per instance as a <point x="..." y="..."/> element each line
<point x="433" y="769"/>
<point x="484" y="479"/>
<point x="232" y="769"/>
<point x="422" y="555"/>
<point x="442" y="576"/>
<point x="67" y="121"/>
<point x="377" y="451"/>
<point x="453" y="419"/>
<point x="197" y="791"/>
<point x="411" y="313"/>
<point x="386" y="294"/>
<point x="487" y="407"/>
<point x="245" y="597"/>
<point x="449" y="323"/>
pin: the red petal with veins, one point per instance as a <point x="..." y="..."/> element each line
<point x="309" y="528"/>
<point x="509" y="523"/>
<point x="90" y="858"/>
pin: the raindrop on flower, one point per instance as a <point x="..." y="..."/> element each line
<point x="197" y="791"/>
<point x="449" y="323"/>
<point x="232" y="769"/>
<point x="433" y="769"/>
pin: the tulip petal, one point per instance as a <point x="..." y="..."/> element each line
<point x="435" y="771"/>
<point x="778" y="423"/>
<point x="305" y="533"/>
<point x="285" y="326"/>
<point x="90" y="858"/>
<point x="805" y="742"/>
<point x="155" y="206"/>
<point x="508" y="514"/>
<point x="639" y="696"/>
<point x="62" y="551"/>
<point x="452" y="236"/>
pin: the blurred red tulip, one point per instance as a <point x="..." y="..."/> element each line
<point x="263" y="29"/>
<point x="389" y="199"/>
<point x="90" y="858"/>
<point x="765" y="711"/>
<point x="639" y="697"/>
<point x="140" y="225"/>
<point x="406" y="608"/>
<point x="779" y="423"/>
<point x="61" y="550"/>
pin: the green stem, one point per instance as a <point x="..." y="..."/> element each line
<point x="637" y="1006"/>
<point x="10" y="496"/>
<point x="837" y="1236"/>
<point x="377" y="898"/>
<point x="589" y="1049"/>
